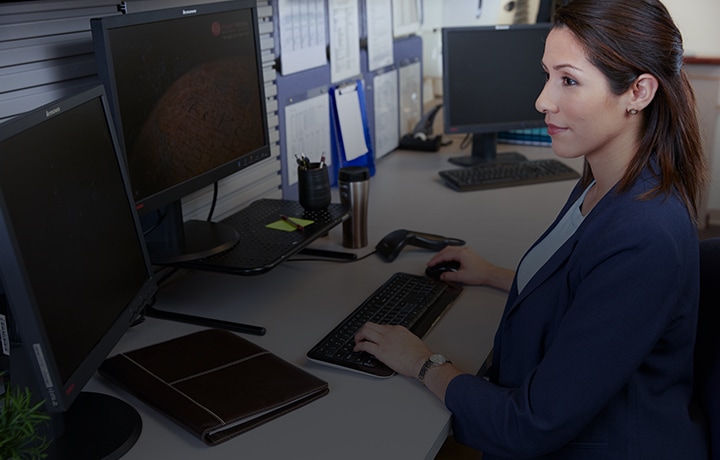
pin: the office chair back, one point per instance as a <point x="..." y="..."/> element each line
<point x="707" y="348"/>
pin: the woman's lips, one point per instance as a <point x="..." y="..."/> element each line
<point x="554" y="129"/>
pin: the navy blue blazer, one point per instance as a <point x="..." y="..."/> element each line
<point x="593" y="359"/>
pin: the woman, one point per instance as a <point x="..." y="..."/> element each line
<point x="593" y="355"/>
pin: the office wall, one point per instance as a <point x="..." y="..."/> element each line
<point x="46" y="53"/>
<point x="698" y="21"/>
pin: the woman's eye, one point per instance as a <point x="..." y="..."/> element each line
<point x="567" y="81"/>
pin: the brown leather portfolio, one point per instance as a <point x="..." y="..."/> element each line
<point x="213" y="383"/>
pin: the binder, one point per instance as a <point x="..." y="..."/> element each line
<point x="213" y="383"/>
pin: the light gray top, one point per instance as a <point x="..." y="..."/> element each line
<point x="542" y="252"/>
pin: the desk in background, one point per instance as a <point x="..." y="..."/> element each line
<point x="299" y="302"/>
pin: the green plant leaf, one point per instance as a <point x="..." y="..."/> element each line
<point x="19" y="423"/>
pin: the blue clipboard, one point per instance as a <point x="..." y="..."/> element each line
<point x="350" y="133"/>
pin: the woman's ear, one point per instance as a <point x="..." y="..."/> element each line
<point x="642" y="91"/>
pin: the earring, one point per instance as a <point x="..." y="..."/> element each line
<point x="632" y="111"/>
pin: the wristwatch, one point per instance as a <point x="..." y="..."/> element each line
<point x="433" y="361"/>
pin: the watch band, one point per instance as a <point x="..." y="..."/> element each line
<point x="432" y="362"/>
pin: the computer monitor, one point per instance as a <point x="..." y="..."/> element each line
<point x="186" y="90"/>
<point x="492" y="76"/>
<point x="73" y="267"/>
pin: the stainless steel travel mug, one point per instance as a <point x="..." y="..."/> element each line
<point x="354" y="188"/>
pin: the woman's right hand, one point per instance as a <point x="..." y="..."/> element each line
<point x="474" y="269"/>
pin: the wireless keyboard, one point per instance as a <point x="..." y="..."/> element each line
<point x="496" y="175"/>
<point x="413" y="301"/>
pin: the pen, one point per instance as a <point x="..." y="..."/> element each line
<point x="303" y="161"/>
<point x="294" y="224"/>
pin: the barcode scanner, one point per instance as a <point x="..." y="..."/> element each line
<point x="390" y="246"/>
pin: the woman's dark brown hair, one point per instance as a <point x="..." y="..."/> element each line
<point x="624" y="39"/>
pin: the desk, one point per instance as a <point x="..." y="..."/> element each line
<point x="299" y="302"/>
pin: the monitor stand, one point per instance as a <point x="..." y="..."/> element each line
<point x="97" y="426"/>
<point x="173" y="241"/>
<point x="484" y="150"/>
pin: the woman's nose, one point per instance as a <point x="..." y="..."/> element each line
<point x="543" y="102"/>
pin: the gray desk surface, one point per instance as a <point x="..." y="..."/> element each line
<point x="299" y="302"/>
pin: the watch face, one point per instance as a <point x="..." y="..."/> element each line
<point x="438" y="359"/>
<point x="433" y="361"/>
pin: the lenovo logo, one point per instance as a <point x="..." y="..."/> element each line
<point x="50" y="113"/>
<point x="189" y="12"/>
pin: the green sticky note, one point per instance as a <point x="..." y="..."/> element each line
<point x="288" y="227"/>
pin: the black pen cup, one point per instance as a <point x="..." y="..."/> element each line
<point x="314" y="187"/>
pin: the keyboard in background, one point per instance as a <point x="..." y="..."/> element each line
<point x="413" y="301"/>
<point x="510" y="174"/>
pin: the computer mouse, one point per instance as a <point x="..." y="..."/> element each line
<point x="390" y="246"/>
<point x="438" y="269"/>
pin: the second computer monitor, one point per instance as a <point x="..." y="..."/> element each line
<point x="492" y="76"/>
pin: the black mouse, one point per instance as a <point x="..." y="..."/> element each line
<point x="390" y="246"/>
<point x="438" y="269"/>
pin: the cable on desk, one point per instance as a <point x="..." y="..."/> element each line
<point x="329" y="259"/>
<point x="152" y="312"/>
<point x="466" y="141"/>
